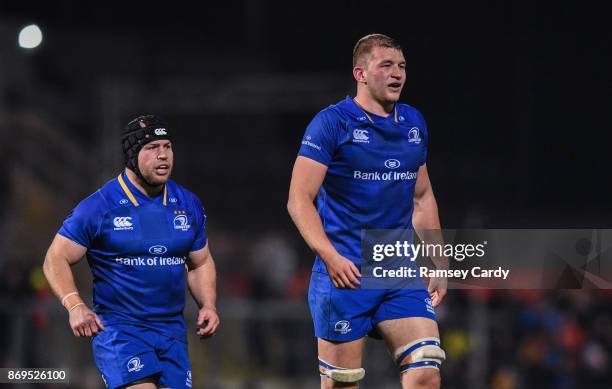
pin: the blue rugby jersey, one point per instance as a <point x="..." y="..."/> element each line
<point x="137" y="248"/>
<point x="372" y="168"/>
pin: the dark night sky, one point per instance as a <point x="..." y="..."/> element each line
<point x="516" y="94"/>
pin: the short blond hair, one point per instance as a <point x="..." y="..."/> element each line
<point x="365" y="45"/>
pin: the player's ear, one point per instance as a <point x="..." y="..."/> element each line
<point x="359" y="74"/>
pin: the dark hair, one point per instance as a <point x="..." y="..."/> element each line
<point x="365" y="45"/>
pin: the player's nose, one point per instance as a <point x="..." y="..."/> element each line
<point x="397" y="73"/>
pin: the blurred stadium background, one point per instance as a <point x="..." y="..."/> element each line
<point x="517" y="100"/>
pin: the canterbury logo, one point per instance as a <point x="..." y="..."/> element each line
<point x="122" y="222"/>
<point x="360" y="135"/>
<point x="160" y="131"/>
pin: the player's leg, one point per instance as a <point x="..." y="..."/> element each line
<point x="414" y="344"/>
<point x="142" y="384"/>
<point x="174" y="362"/>
<point x="126" y="358"/>
<point x="342" y="318"/>
<point x="407" y="321"/>
<point x="340" y="363"/>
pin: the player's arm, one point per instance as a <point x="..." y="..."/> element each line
<point x="425" y="214"/>
<point x="63" y="253"/>
<point x="306" y="181"/>
<point x="202" y="283"/>
<point x="426" y="223"/>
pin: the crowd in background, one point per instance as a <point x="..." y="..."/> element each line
<point x="517" y="339"/>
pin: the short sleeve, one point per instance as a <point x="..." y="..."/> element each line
<point x="424" y="135"/>
<point x="81" y="224"/>
<point x="200" y="224"/>
<point x="320" y="139"/>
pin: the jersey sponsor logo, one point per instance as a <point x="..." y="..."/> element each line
<point x="384" y="176"/>
<point x="401" y="118"/>
<point x="181" y="222"/>
<point x="343" y="327"/>
<point x="151" y="261"/>
<point x="173" y="200"/>
<point x="160" y="131"/>
<point x="361" y="136"/>
<point x="123" y="223"/>
<point x="134" y="365"/>
<point x="123" y="201"/>
<point x="158" y="249"/>
<point x="414" y="136"/>
<point x="392" y="163"/>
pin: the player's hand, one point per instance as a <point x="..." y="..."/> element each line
<point x="208" y="321"/>
<point x="343" y="272"/>
<point x="84" y="322"/>
<point x="437" y="290"/>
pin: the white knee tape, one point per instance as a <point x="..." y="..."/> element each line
<point x="340" y="374"/>
<point x="422" y="353"/>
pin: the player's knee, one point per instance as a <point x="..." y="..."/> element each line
<point x="424" y="353"/>
<point x="424" y="378"/>
<point x="339" y="377"/>
<point x="328" y="383"/>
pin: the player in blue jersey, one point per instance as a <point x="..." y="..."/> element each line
<point x="139" y="232"/>
<point x="363" y="159"/>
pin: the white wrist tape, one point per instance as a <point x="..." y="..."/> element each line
<point x="68" y="295"/>
<point x="74" y="306"/>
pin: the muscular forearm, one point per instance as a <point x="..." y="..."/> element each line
<point x="60" y="279"/>
<point x="426" y="223"/>
<point x="202" y="282"/>
<point x="425" y="216"/>
<point x="308" y="222"/>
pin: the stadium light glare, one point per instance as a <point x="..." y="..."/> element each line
<point x="30" y="37"/>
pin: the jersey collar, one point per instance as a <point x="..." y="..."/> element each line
<point x="129" y="189"/>
<point x="359" y="110"/>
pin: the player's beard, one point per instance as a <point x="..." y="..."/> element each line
<point x="153" y="180"/>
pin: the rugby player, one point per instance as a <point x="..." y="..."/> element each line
<point x="139" y="232"/>
<point x="345" y="150"/>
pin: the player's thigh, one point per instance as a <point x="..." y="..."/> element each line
<point x="125" y="357"/>
<point x="399" y="332"/>
<point x="341" y="315"/>
<point x="346" y="355"/>
<point x="142" y="385"/>
<point x="175" y="365"/>
<point x="341" y="354"/>
<point x="404" y="316"/>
